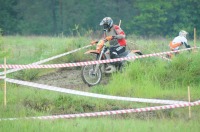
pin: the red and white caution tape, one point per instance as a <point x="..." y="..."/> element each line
<point x="90" y="62"/>
<point x="163" y="57"/>
<point x="87" y="94"/>
<point x="2" y="77"/>
<point x="46" y="60"/>
<point x="105" y="113"/>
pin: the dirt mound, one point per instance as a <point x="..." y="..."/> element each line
<point x="66" y="78"/>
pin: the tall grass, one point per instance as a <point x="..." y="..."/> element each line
<point x="146" y="78"/>
<point x="156" y="78"/>
<point x="103" y="124"/>
<point x="26" y="50"/>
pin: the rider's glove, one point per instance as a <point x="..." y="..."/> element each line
<point x="114" y="37"/>
<point x="108" y="38"/>
<point x="93" y="42"/>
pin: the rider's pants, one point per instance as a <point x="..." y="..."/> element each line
<point x="115" y="51"/>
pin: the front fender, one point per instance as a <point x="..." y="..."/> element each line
<point x="92" y="52"/>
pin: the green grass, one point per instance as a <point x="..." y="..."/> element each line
<point x="102" y="124"/>
<point x="25" y="50"/>
<point x="155" y="78"/>
<point x="28" y="102"/>
<point x="145" y="78"/>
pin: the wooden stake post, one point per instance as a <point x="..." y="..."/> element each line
<point x="189" y="101"/>
<point x="195" y="39"/>
<point x="5" y="82"/>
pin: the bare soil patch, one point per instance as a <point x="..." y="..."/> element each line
<point x="67" y="78"/>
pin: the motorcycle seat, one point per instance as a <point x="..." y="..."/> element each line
<point x="124" y="54"/>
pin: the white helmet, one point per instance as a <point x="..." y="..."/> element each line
<point x="107" y="23"/>
<point x="183" y="33"/>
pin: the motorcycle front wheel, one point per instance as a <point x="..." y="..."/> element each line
<point x="89" y="76"/>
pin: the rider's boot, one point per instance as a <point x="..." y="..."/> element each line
<point x="110" y="68"/>
<point x="113" y="66"/>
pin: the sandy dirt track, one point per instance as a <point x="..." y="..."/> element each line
<point x="66" y="78"/>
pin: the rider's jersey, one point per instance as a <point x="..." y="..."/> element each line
<point x="120" y="36"/>
<point x="177" y="42"/>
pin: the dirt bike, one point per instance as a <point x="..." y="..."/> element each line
<point x="92" y="74"/>
<point x="170" y="55"/>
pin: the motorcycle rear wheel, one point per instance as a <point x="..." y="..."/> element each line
<point x="88" y="75"/>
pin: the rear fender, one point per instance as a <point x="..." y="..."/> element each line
<point x="137" y="52"/>
<point x="134" y="53"/>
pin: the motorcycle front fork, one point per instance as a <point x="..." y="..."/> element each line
<point x="96" y="68"/>
<point x="97" y="65"/>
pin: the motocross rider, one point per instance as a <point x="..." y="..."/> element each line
<point x="116" y="37"/>
<point x="179" y="41"/>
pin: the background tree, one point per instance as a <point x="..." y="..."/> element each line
<point x="8" y="16"/>
<point x="140" y="17"/>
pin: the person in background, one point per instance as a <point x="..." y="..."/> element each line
<point x="116" y="37"/>
<point x="178" y="41"/>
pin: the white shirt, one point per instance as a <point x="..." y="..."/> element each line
<point x="179" y="39"/>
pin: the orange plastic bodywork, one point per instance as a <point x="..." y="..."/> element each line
<point x="109" y="38"/>
<point x="173" y="46"/>
<point x="92" y="51"/>
<point x="98" y="48"/>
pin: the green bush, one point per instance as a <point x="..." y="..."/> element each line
<point x="27" y="74"/>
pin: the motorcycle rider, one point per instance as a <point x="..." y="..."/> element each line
<point x="116" y="37"/>
<point x="178" y="42"/>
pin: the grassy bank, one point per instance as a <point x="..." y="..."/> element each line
<point x="156" y="78"/>
<point x="145" y="78"/>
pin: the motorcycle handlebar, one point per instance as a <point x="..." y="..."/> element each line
<point x="96" y="41"/>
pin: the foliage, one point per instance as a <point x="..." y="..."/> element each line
<point x="28" y="75"/>
<point x="8" y="15"/>
<point x="75" y="17"/>
<point x="3" y="51"/>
